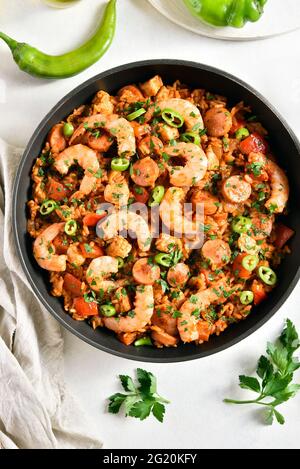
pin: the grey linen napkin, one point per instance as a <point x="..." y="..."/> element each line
<point x="36" y="409"/>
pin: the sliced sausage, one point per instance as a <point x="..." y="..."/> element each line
<point x="217" y="252"/>
<point x="178" y="275"/>
<point x="218" y="122"/>
<point x="209" y="201"/>
<point x="236" y="190"/>
<point x="145" y="172"/>
<point x="150" y="145"/>
<point x="145" y="273"/>
<point x="262" y="225"/>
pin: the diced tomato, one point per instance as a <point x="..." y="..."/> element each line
<point x="254" y="143"/>
<point x="85" y="309"/>
<point x="238" y="269"/>
<point x="61" y="244"/>
<point x="56" y="190"/>
<point x="237" y="124"/>
<point x="283" y="234"/>
<point x="72" y="285"/>
<point x="141" y="194"/>
<point x="91" y="219"/>
<point x="259" y="292"/>
<point x="91" y="252"/>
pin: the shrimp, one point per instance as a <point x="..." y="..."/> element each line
<point x="117" y="191"/>
<point x="98" y="271"/>
<point x="139" y="317"/>
<point x="124" y="220"/>
<point x="75" y="256"/>
<point x="278" y="180"/>
<point x="195" y="164"/>
<point x="171" y="214"/>
<point x="44" y="250"/>
<point x="56" y="138"/>
<point x="190" y="113"/>
<point x="116" y="126"/>
<point x="162" y="338"/>
<point x="188" y="322"/>
<point x="86" y="158"/>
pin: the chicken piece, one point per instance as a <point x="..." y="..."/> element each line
<point x="151" y="87"/>
<point x="118" y="247"/>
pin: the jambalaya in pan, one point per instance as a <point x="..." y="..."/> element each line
<point x="159" y="148"/>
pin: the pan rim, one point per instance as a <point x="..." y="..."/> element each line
<point x="128" y="355"/>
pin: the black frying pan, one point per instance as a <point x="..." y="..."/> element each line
<point x="195" y="75"/>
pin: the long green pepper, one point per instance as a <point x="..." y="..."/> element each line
<point x="36" y="63"/>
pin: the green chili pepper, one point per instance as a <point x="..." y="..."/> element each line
<point x="120" y="164"/>
<point x="120" y="262"/>
<point x="156" y="196"/>
<point x="233" y="13"/>
<point x="267" y="275"/>
<point x="36" y="63"/>
<point x="191" y="137"/>
<point x="68" y="130"/>
<point x="172" y="118"/>
<point x="242" y="133"/>
<point x="48" y="207"/>
<point x="143" y="341"/>
<point x="250" y="262"/>
<point x="241" y="224"/>
<point x="71" y="227"/>
<point x="108" y="311"/>
<point x="136" y="114"/>
<point x="163" y="259"/>
<point x="246" y="297"/>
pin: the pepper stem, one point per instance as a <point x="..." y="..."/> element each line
<point x="12" y="44"/>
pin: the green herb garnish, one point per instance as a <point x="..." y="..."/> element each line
<point x="276" y="374"/>
<point x="139" y="401"/>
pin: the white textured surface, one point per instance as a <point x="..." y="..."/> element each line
<point x="197" y="418"/>
<point x="276" y="20"/>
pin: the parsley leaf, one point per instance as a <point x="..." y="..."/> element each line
<point x="276" y="373"/>
<point x="140" y="401"/>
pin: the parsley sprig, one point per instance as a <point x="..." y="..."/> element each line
<point x="276" y="374"/>
<point x="141" y="399"/>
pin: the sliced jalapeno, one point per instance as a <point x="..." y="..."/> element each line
<point x="246" y="297"/>
<point x="242" y="133"/>
<point x="250" y="262"/>
<point x="120" y="262"/>
<point x="241" y="224"/>
<point x="71" y="227"/>
<point x="48" y="207"/>
<point x="143" y="341"/>
<point x="163" y="259"/>
<point x="108" y="311"/>
<point x="267" y="275"/>
<point x="172" y="118"/>
<point x="120" y="164"/>
<point x="191" y="137"/>
<point x="156" y="196"/>
<point x="136" y="114"/>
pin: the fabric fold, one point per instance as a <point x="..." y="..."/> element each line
<point x="36" y="409"/>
